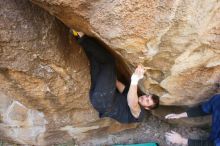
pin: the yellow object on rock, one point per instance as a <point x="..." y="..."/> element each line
<point x="75" y="33"/>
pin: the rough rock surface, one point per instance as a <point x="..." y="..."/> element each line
<point x="177" y="41"/>
<point x="44" y="80"/>
<point x="152" y="130"/>
<point x="44" y="77"/>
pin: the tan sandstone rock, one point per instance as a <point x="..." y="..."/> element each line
<point x="177" y="41"/>
<point x="44" y="80"/>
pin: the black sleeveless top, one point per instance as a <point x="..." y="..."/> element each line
<point x="120" y="110"/>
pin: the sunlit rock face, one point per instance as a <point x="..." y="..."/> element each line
<point x="44" y="74"/>
<point x="177" y="41"/>
<point x="44" y="80"/>
<point x="22" y="125"/>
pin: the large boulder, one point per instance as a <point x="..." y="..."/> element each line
<point x="44" y="80"/>
<point x="177" y="41"/>
<point x="44" y="74"/>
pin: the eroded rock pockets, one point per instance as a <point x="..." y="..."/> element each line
<point x="44" y="80"/>
<point x="42" y="69"/>
<point x="177" y="41"/>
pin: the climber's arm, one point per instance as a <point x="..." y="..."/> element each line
<point x="132" y="96"/>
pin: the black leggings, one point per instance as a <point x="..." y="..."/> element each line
<point x="103" y="74"/>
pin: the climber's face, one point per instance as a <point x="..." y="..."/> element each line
<point x="146" y="101"/>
